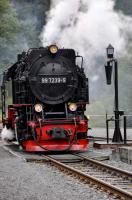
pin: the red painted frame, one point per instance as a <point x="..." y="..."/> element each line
<point x="45" y="142"/>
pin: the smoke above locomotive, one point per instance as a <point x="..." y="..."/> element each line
<point x="89" y="26"/>
<point x="50" y="93"/>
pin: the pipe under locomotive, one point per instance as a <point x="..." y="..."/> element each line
<point x="49" y="98"/>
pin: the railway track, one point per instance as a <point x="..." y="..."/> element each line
<point x="114" y="181"/>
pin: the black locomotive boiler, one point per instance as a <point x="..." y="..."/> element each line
<point x="49" y="97"/>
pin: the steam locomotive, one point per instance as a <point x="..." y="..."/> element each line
<point x="49" y="98"/>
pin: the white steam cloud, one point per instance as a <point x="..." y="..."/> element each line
<point x="88" y="26"/>
<point x="7" y="134"/>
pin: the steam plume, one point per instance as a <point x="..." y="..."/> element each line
<point x="86" y="25"/>
<point x="7" y="134"/>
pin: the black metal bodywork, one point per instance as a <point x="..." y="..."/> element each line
<point x="52" y="80"/>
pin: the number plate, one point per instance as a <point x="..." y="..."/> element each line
<point x="53" y="80"/>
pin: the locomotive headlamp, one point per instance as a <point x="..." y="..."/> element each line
<point x="38" y="107"/>
<point x="53" y="49"/>
<point x="73" y="107"/>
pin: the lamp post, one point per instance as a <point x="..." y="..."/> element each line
<point x="112" y="63"/>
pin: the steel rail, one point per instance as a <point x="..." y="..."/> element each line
<point x="111" y="189"/>
<point x="107" y="167"/>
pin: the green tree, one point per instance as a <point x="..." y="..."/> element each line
<point x="20" y="27"/>
<point x="9" y="28"/>
<point x="4" y="5"/>
<point x="125" y="6"/>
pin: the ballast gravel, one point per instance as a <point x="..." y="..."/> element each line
<point x="113" y="161"/>
<point x="119" y="164"/>
<point x="29" y="181"/>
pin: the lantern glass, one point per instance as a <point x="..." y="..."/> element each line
<point x="110" y="51"/>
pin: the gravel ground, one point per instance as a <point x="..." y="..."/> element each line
<point x="28" y="181"/>
<point x="112" y="162"/>
<point x="119" y="164"/>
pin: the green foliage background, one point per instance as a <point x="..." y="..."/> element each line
<point x="20" y="25"/>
